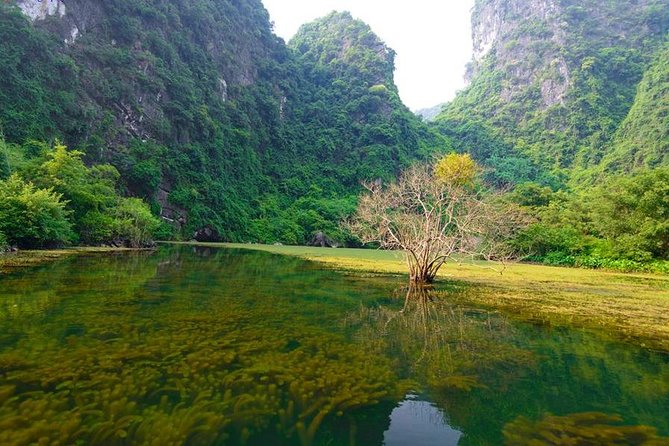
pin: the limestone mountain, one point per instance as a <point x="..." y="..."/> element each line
<point x="205" y="112"/>
<point x="642" y="140"/>
<point x="553" y="81"/>
<point x="353" y="117"/>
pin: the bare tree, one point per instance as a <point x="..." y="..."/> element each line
<point x="435" y="213"/>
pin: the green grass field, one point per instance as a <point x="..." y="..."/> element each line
<point x="633" y="307"/>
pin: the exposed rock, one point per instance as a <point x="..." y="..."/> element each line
<point x="207" y="234"/>
<point x="322" y="240"/>
<point x="41" y="9"/>
<point x="223" y="88"/>
<point x="496" y="26"/>
<point x="170" y="213"/>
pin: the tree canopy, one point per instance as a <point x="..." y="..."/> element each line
<point x="435" y="213"/>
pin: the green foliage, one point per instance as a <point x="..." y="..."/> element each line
<point x="217" y="122"/>
<point x="134" y="223"/>
<point x="36" y="92"/>
<point x="552" y="244"/>
<point x="31" y="217"/>
<point x="633" y="214"/>
<point x="90" y="193"/>
<point x="298" y="221"/>
<point x="204" y="112"/>
<point x="3" y="241"/>
<point x="94" y="211"/>
<point x="642" y="139"/>
<point x="620" y="224"/>
<point x="5" y="166"/>
<point x="558" y="103"/>
<point x="503" y="165"/>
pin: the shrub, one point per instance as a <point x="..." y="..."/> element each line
<point x="133" y="223"/>
<point x="539" y="241"/>
<point x="32" y="217"/>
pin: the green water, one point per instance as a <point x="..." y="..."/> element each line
<point x="219" y="346"/>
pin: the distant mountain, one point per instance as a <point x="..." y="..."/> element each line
<point x="429" y="114"/>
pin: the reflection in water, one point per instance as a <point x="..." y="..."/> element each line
<point x="233" y="347"/>
<point x="483" y="370"/>
<point x="219" y="347"/>
<point x="416" y="422"/>
<point x="442" y="346"/>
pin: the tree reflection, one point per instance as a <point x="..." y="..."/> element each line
<point x="442" y="346"/>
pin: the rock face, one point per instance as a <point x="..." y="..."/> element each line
<point x="322" y="240"/>
<point x="509" y="29"/>
<point x="556" y="78"/>
<point x="41" y="9"/>
<point x="205" y="112"/>
<point x="160" y="74"/>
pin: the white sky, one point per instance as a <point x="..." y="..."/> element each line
<point x="432" y="39"/>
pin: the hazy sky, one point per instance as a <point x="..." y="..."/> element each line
<point x="432" y="39"/>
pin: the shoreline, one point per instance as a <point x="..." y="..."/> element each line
<point x="631" y="307"/>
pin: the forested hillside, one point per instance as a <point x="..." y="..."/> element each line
<point x="205" y="113"/>
<point x="568" y="105"/>
<point x="222" y="128"/>
<point x="566" y="83"/>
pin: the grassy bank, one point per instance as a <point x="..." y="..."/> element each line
<point x="629" y="306"/>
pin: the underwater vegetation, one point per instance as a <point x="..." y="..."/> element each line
<point x="631" y="307"/>
<point x="443" y="347"/>
<point x="231" y="347"/>
<point x="580" y="429"/>
<point x="176" y="367"/>
<point x="483" y="369"/>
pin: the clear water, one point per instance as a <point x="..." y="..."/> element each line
<point x="218" y="346"/>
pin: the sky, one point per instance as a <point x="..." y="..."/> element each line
<point x="432" y="39"/>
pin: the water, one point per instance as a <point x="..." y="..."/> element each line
<point x="215" y="346"/>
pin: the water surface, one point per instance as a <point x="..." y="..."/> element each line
<point x="219" y="346"/>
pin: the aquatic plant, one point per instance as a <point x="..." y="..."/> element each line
<point x="123" y="364"/>
<point x="580" y="429"/>
<point x="233" y="347"/>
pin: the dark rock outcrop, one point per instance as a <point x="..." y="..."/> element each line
<point x="207" y="234"/>
<point x="322" y="240"/>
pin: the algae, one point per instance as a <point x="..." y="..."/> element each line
<point x="218" y="346"/>
<point x="580" y="429"/>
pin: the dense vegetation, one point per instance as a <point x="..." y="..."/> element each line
<point x="569" y="107"/>
<point x="559" y="81"/>
<point x="345" y="123"/>
<point x="50" y="198"/>
<point x="202" y="112"/>
<point x="622" y="223"/>
<point x="209" y="116"/>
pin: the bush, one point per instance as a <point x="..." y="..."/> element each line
<point x="32" y="217"/>
<point x="96" y="228"/>
<point x="133" y="224"/>
<point x="539" y="241"/>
